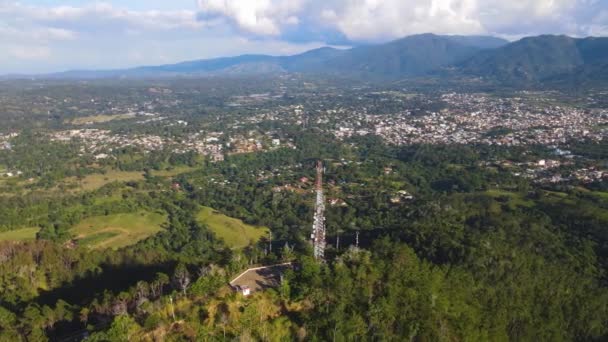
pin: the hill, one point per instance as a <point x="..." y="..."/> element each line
<point x="542" y="59"/>
<point x="118" y="230"/>
<point x="410" y="56"/>
<point x="235" y="233"/>
<point x="547" y="59"/>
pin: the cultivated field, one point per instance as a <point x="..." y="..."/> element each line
<point x="512" y="196"/>
<point x="100" y="118"/>
<point x="96" y="181"/>
<point x="234" y="232"/>
<point x="173" y="172"/>
<point x="24" y="234"/>
<point x="117" y="231"/>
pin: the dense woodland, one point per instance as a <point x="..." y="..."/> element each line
<point x="456" y="263"/>
<point x="476" y="254"/>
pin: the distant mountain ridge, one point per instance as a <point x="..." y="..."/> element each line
<point x="542" y="59"/>
<point x="411" y="56"/>
<point x="532" y="60"/>
<point x="406" y="57"/>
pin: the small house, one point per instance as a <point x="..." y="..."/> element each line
<point x="244" y="290"/>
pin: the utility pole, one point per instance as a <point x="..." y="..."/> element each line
<point x="318" y="226"/>
<point x="172" y="309"/>
<point x="357" y="239"/>
<point x="270" y="241"/>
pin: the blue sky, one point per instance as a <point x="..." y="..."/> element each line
<point x="39" y="36"/>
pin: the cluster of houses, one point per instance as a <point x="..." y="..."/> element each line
<point x="10" y="174"/>
<point x="101" y="142"/>
<point x="476" y="118"/>
<point x="5" y="140"/>
<point x="553" y="170"/>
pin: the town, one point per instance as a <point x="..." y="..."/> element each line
<point x="400" y="119"/>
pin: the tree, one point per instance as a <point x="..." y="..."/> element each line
<point x="157" y="285"/>
<point x="142" y="290"/>
<point x="181" y="278"/>
<point x="284" y="289"/>
<point x="84" y="315"/>
<point x="8" y="325"/>
<point x="123" y="328"/>
<point x="287" y="253"/>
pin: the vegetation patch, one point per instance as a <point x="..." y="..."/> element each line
<point x="119" y="230"/>
<point x="513" y="197"/>
<point x="96" y="181"/>
<point x="601" y="194"/>
<point x="178" y="170"/>
<point x="98" y="238"/>
<point x="100" y="119"/>
<point x="235" y="233"/>
<point x="24" y="234"/>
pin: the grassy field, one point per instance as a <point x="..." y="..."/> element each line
<point x="173" y="172"/>
<point x="117" y="231"/>
<point x="234" y="232"/>
<point x="601" y="194"/>
<point x="25" y="234"/>
<point x="100" y="118"/>
<point x="516" y="198"/>
<point x="96" y="181"/>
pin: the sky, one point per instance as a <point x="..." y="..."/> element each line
<point x="39" y="36"/>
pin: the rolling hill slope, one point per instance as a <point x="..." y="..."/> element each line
<point x="542" y="59"/>
<point x="547" y="59"/>
<point x="410" y="56"/>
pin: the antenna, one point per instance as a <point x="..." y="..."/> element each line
<point x="318" y="226"/>
<point x="338" y="241"/>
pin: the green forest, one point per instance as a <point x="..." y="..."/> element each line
<point x="475" y="255"/>
<point x="453" y="212"/>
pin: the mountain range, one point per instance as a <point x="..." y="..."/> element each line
<point x="533" y="60"/>
<point x="546" y="59"/>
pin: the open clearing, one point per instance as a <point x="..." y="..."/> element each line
<point x="173" y="171"/>
<point x="118" y="230"/>
<point x="601" y="194"/>
<point x="100" y="118"/>
<point x="235" y="233"/>
<point x="261" y="278"/>
<point x="24" y="234"/>
<point x="516" y="198"/>
<point x="96" y="181"/>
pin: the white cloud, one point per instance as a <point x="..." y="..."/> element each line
<point x="599" y="24"/>
<point x="29" y="52"/>
<point x="37" y="34"/>
<point x="95" y="34"/>
<point x="38" y="39"/>
<point x="528" y="17"/>
<point x="108" y="35"/>
<point x="100" y="16"/>
<point x="372" y="20"/>
<point x="263" y="17"/>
